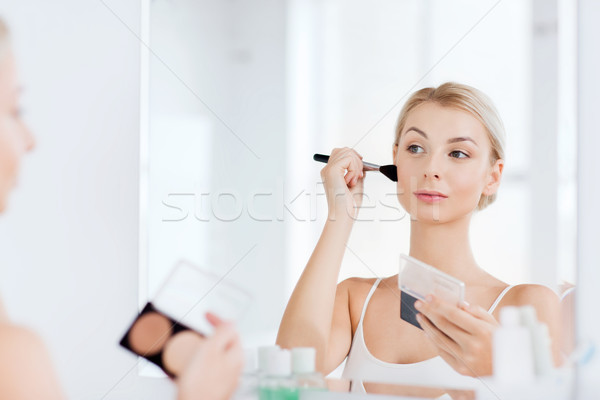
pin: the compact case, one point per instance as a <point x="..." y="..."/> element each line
<point x="416" y="280"/>
<point x="157" y="338"/>
<point x="173" y="324"/>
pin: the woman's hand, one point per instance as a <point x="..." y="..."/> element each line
<point x="213" y="372"/>
<point x="343" y="179"/>
<point x="463" y="336"/>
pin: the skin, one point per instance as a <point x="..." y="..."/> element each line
<point x="15" y="137"/>
<point x="214" y="370"/>
<point x="25" y="365"/>
<point x="325" y="315"/>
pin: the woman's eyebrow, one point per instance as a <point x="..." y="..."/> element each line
<point x="452" y="140"/>
<point x="420" y="132"/>
<point x="462" y="139"/>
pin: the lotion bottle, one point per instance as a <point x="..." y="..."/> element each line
<point x="512" y="349"/>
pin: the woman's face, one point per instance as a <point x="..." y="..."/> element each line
<point x="15" y="138"/>
<point x="444" y="165"/>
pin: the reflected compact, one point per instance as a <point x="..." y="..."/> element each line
<point x="169" y="329"/>
<point x="416" y="280"/>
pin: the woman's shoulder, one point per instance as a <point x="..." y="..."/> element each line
<point x="545" y="301"/>
<point x="357" y="285"/>
<point x="25" y="365"/>
<point x="10" y="331"/>
<point x="357" y="282"/>
<point x="19" y="340"/>
<point x="357" y="289"/>
<point x="530" y="294"/>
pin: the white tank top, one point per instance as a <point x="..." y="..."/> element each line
<point x="361" y="365"/>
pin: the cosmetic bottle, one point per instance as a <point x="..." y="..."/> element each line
<point x="276" y="382"/>
<point x="248" y="383"/>
<point x="512" y="349"/>
<point x="263" y="355"/>
<point x="540" y="341"/>
<point x="303" y="370"/>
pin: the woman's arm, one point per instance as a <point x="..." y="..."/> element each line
<point x="317" y="314"/>
<point x="26" y="371"/>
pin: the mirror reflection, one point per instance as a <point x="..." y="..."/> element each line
<point x="242" y="94"/>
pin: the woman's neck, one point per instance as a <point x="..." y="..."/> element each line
<point x="446" y="247"/>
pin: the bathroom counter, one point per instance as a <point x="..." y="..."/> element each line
<point x="558" y="388"/>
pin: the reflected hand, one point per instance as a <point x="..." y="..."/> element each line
<point x="343" y="179"/>
<point x="462" y="336"/>
<point x="213" y="372"/>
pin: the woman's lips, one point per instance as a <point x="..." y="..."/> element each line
<point x="430" y="197"/>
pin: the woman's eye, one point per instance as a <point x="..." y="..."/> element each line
<point x="458" y="154"/>
<point x="413" y="148"/>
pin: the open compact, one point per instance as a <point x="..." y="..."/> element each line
<point x="170" y="328"/>
<point x="161" y="340"/>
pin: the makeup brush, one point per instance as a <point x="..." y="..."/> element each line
<point x="387" y="170"/>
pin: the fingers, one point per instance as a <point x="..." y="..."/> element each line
<point x="225" y="336"/>
<point x="448" y="318"/>
<point x="470" y="319"/>
<point x="348" y="161"/>
<point x="214" y="319"/>
<point x="439" y="338"/>
<point x="225" y="332"/>
<point x="479" y="313"/>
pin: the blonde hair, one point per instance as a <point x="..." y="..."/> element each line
<point x="465" y="98"/>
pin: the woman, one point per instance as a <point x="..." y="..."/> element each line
<point x="26" y="371"/>
<point x="449" y="154"/>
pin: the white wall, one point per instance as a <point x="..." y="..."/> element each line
<point x="352" y="66"/>
<point x="69" y="241"/>
<point x="588" y="219"/>
<point x="217" y="126"/>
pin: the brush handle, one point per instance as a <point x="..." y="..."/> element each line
<point x="366" y="165"/>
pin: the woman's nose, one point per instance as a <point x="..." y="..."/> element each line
<point x="432" y="169"/>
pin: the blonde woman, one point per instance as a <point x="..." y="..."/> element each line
<point x="26" y="370"/>
<point x="449" y="154"/>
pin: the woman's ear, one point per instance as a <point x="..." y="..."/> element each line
<point x="494" y="178"/>
<point x="394" y="152"/>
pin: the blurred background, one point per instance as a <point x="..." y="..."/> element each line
<point x="172" y="129"/>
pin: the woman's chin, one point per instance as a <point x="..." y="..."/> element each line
<point x="427" y="219"/>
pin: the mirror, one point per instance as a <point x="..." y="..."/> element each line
<point x="241" y="94"/>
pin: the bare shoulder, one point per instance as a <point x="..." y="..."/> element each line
<point x="20" y="346"/>
<point x="531" y="294"/>
<point x="545" y="301"/>
<point x="25" y="365"/>
<point x="356" y="290"/>
<point x="14" y="336"/>
<point x="356" y="283"/>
